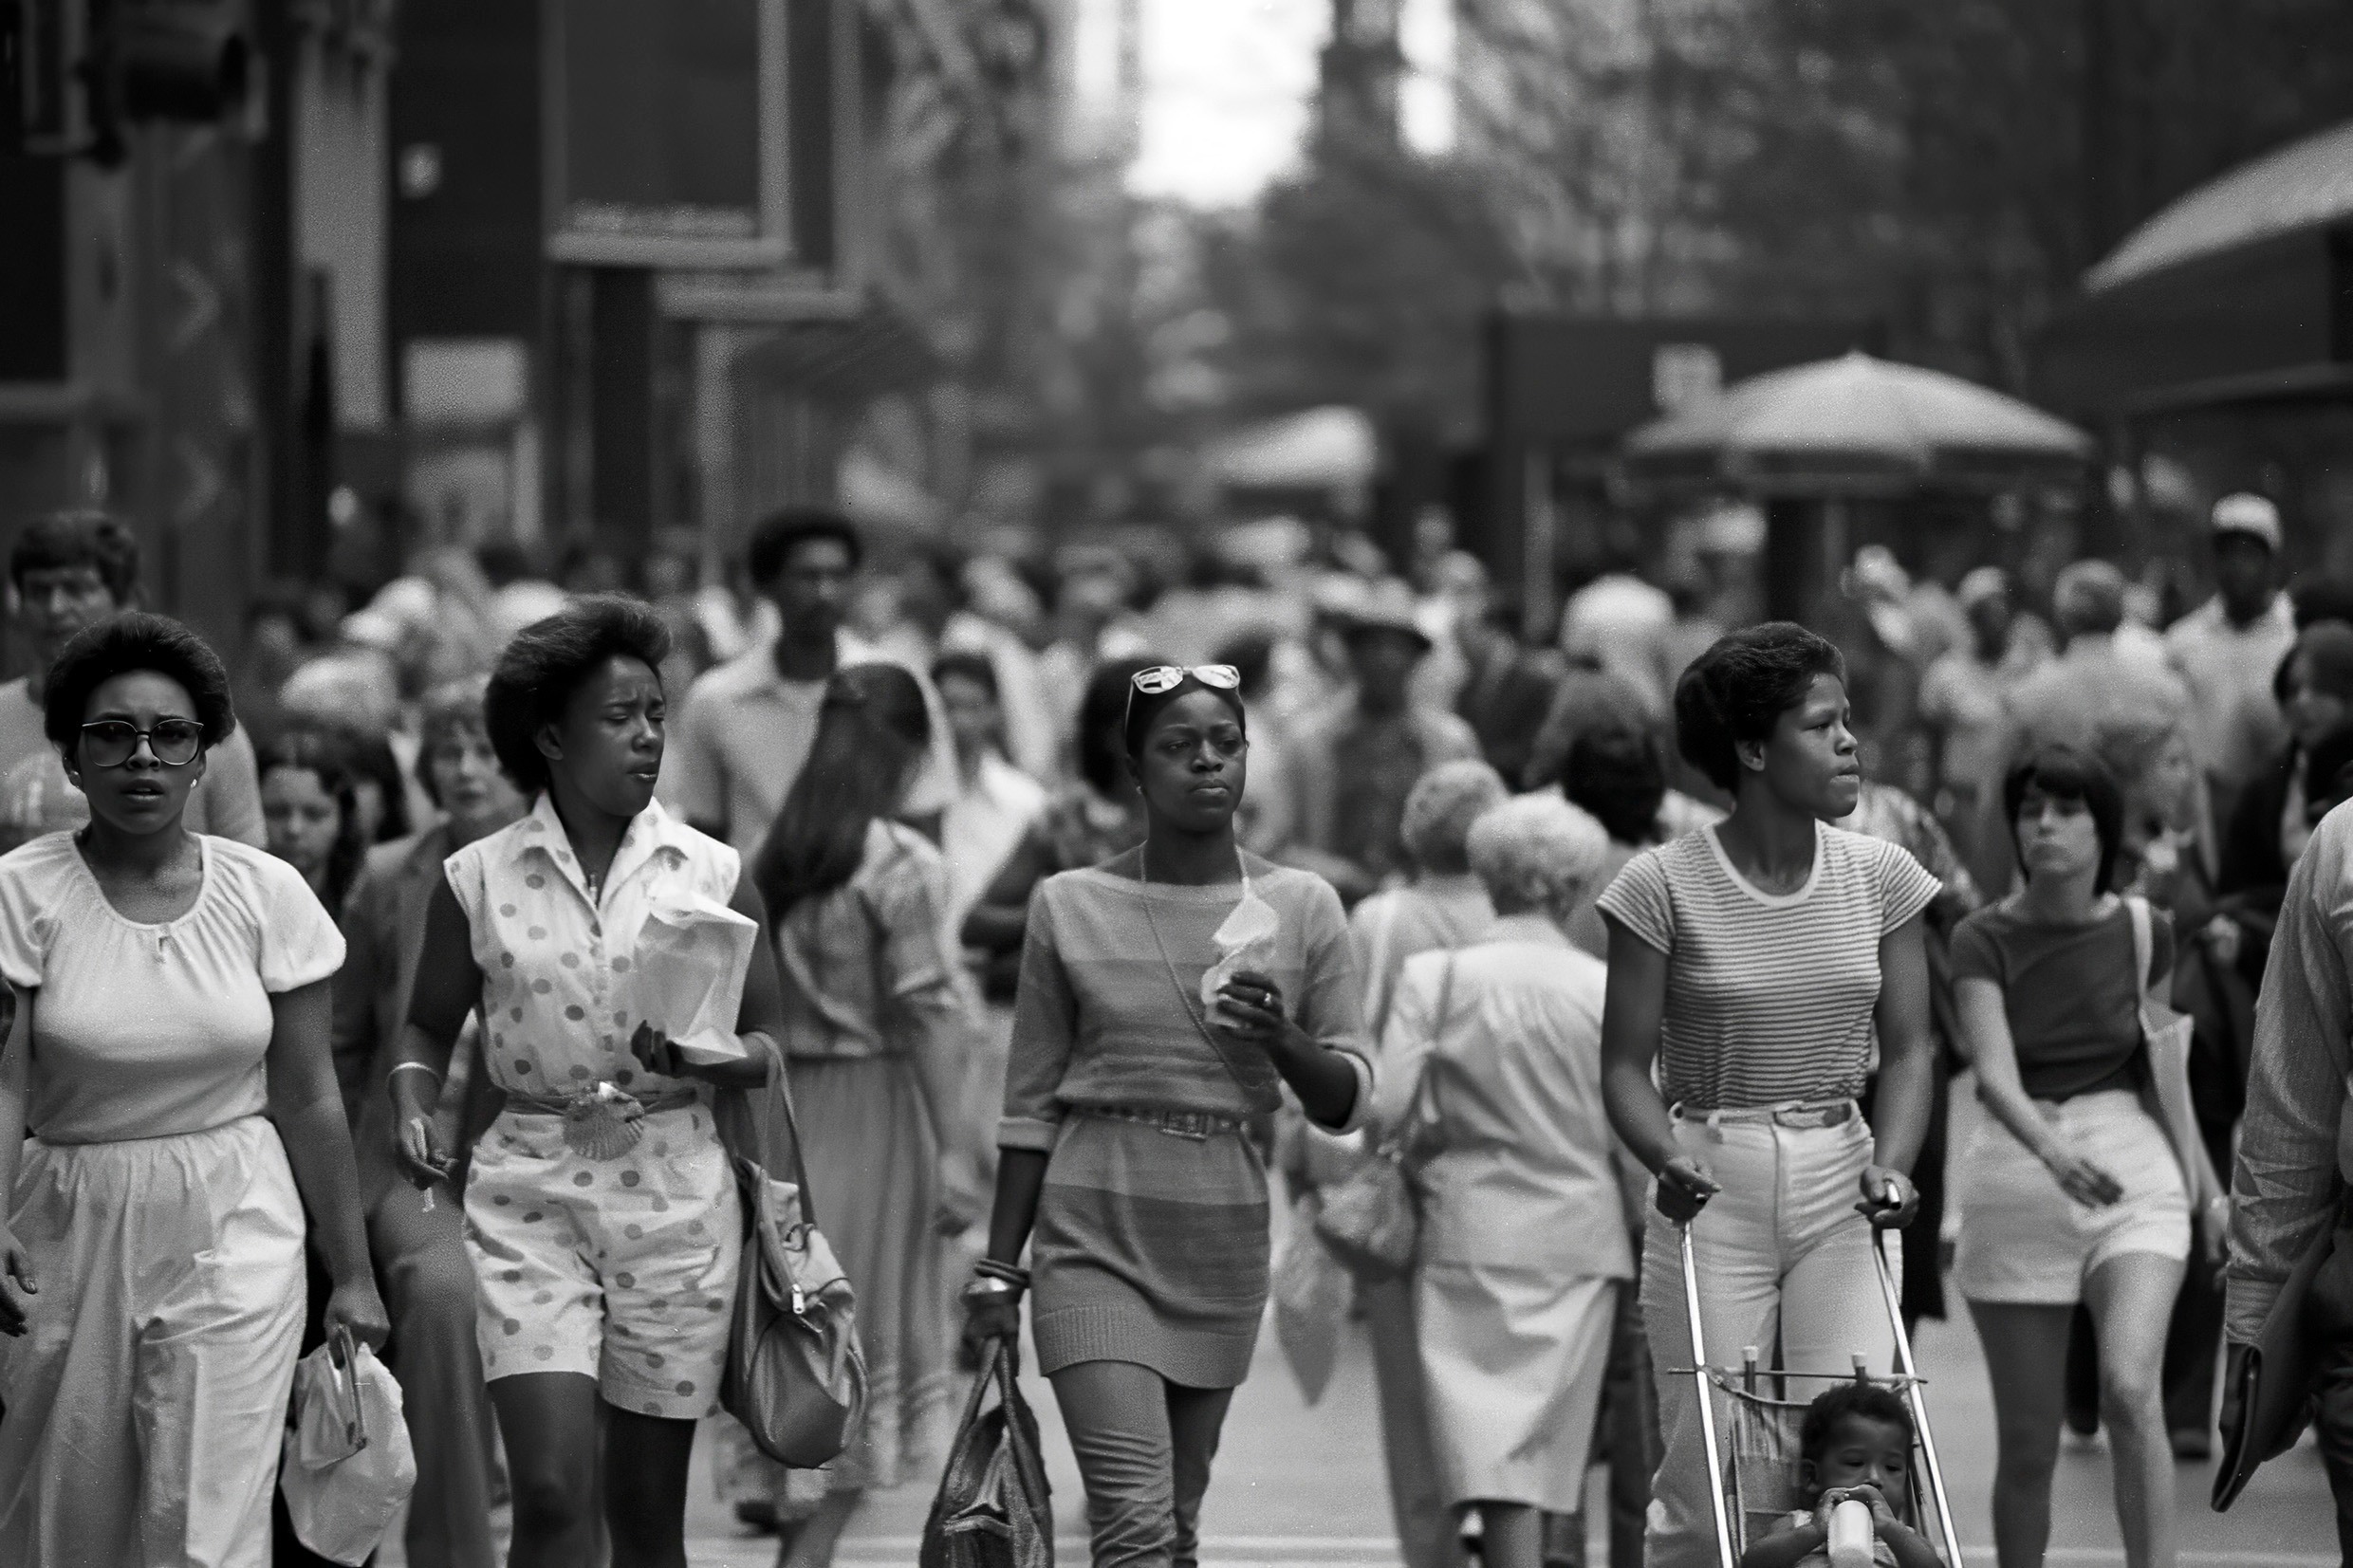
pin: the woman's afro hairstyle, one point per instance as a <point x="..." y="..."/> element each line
<point x="126" y="644"/>
<point x="538" y="671"/>
<point x="1738" y="690"/>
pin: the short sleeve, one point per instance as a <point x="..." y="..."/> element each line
<point x="1975" y="953"/>
<point x="1905" y="886"/>
<point x="28" y="904"/>
<point x="1639" y="901"/>
<point x="300" y="944"/>
<point x="470" y="881"/>
<point x="910" y="902"/>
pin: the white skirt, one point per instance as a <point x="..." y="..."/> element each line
<point x="1515" y="1359"/>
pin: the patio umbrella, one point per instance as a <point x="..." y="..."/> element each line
<point x="1855" y="426"/>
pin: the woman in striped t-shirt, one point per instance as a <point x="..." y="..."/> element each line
<point x="1754" y="962"/>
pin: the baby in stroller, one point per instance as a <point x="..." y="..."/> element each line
<point x="1856" y="1444"/>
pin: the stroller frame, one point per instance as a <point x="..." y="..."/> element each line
<point x="1907" y="1379"/>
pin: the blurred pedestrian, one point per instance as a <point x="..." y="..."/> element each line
<point x="2271" y="824"/>
<point x="1095" y="818"/>
<point x="1094" y="619"/>
<point x="1757" y="963"/>
<point x="1131" y="1081"/>
<point x="746" y="728"/>
<point x="1616" y="776"/>
<point x="71" y="570"/>
<point x="1268" y="823"/>
<point x="1491" y="1073"/>
<point x="990" y="606"/>
<point x="170" y="1060"/>
<point x="2098" y="681"/>
<point x="1587" y="699"/>
<point x="601" y="1215"/>
<point x="1444" y="907"/>
<point x="519" y="595"/>
<point x="421" y="1252"/>
<point x="279" y="639"/>
<point x="1965" y="706"/>
<point x="1358" y="765"/>
<point x="995" y="801"/>
<point x="2069" y="1190"/>
<point x="2228" y="650"/>
<point x="1622" y="623"/>
<point x="2295" y="1151"/>
<point x="1507" y="689"/>
<point x="877" y="1036"/>
<point x="311" y="812"/>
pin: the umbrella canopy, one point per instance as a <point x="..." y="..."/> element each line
<point x="1855" y="426"/>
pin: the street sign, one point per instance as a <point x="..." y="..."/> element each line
<point x="665" y="132"/>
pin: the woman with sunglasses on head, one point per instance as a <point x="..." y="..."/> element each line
<point x="1166" y="997"/>
<point x="600" y="1208"/>
<point x="168" y="1058"/>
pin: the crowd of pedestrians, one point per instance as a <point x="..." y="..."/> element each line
<point x="1101" y="936"/>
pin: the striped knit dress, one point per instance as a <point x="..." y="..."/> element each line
<point x="1152" y="1248"/>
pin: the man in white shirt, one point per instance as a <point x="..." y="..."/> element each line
<point x="68" y="571"/>
<point x="740" y="738"/>
<point x="2228" y="650"/>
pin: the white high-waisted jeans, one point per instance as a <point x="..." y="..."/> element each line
<point x="1781" y="1256"/>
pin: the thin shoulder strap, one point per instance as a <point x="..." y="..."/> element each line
<point x="2143" y="943"/>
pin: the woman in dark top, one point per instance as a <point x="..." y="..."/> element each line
<point x="2271" y="824"/>
<point x="2071" y="1189"/>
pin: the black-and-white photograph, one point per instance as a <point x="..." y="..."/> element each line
<point x="1177" y="783"/>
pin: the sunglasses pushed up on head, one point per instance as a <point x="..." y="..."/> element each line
<point x="1167" y="677"/>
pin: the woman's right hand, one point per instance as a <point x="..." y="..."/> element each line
<point x="418" y="1147"/>
<point x="2080" y="1179"/>
<point x="16" y="1283"/>
<point x="1685" y="1185"/>
<point x="991" y="1311"/>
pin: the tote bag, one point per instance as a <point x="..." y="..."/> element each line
<point x="1370" y="1218"/>
<point x="994" y="1508"/>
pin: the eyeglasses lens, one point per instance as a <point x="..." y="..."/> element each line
<point x="110" y="743"/>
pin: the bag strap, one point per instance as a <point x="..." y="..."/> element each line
<point x="2144" y="944"/>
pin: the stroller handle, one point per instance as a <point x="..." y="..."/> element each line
<point x="1912" y="1396"/>
<point x="1708" y="1440"/>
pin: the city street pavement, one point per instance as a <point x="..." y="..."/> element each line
<point x="1295" y="1485"/>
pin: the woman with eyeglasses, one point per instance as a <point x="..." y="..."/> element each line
<point x="168" y="1113"/>
<point x="1166" y="997"/>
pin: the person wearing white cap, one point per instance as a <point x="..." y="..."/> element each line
<point x="2228" y="649"/>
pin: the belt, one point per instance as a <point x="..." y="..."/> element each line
<point x="1199" y="1126"/>
<point x="1794" y="1113"/>
<point x="556" y="1105"/>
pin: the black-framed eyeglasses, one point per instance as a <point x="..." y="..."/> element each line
<point x="109" y="742"/>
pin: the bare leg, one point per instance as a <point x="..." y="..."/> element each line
<point x="1511" y="1535"/>
<point x="548" y="1420"/>
<point x="2132" y="1303"/>
<point x="812" y="1543"/>
<point x="2026" y="1357"/>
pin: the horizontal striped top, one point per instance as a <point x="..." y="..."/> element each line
<point x="1769" y="997"/>
<point x="1109" y="1010"/>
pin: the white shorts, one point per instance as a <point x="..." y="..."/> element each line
<point x="623" y="1269"/>
<point x="2025" y="1242"/>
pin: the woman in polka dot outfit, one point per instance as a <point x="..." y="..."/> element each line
<point x="600" y="1210"/>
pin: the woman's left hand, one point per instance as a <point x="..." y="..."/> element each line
<point x="1889" y="1198"/>
<point x="356" y="1306"/>
<point x="1249" y="1006"/>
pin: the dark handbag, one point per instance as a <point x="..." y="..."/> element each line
<point x="1370" y="1218"/>
<point x="2275" y="1377"/>
<point x="994" y="1508"/>
<point x="795" y="1377"/>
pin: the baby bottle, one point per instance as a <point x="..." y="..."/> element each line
<point x="1852" y="1539"/>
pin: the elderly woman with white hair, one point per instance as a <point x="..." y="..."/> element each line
<point x="1491" y="1071"/>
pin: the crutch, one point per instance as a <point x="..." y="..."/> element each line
<point x="1725" y="1556"/>
<point x="1912" y="1394"/>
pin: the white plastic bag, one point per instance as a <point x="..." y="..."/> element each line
<point x="1245" y="940"/>
<point x="347" y="1465"/>
<point x="690" y="958"/>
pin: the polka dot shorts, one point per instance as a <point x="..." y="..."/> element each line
<point x="622" y="1270"/>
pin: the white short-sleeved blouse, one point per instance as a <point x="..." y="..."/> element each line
<point x="556" y="963"/>
<point x="144" y="1031"/>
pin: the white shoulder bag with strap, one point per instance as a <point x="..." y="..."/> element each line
<point x="2167" y="1035"/>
